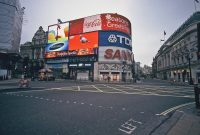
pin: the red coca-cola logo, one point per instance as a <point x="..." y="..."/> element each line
<point x="94" y="23"/>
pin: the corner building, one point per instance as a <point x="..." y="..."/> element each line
<point x="178" y="59"/>
<point x="91" y="48"/>
<point x="11" y="19"/>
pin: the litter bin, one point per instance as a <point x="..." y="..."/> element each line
<point x="197" y="93"/>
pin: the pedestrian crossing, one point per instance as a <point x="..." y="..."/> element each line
<point x="175" y="91"/>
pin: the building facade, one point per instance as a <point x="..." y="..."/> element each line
<point x="33" y="52"/>
<point x="178" y="57"/>
<point x="92" y="48"/>
<point x="11" y="15"/>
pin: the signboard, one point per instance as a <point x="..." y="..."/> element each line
<point x="92" y="23"/>
<point x="100" y="22"/>
<point x="57" y="37"/>
<point x="76" y="27"/>
<point x="112" y="38"/>
<point x="115" y="54"/>
<point x="84" y="44"/>
<point x="116" y="22"/>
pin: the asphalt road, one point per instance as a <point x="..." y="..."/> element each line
<point x="65" y="108"/>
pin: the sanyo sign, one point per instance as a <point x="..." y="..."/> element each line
<point x="115" y="39"/>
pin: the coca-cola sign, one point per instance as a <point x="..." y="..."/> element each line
<point x="92" y="23"/>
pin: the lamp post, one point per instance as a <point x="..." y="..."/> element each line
<point x="189" y="56"/>
<point x="191" y="81"/>
<point x="123" y="70"/>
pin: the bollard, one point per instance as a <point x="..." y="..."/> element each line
<point x="197" y="92"/>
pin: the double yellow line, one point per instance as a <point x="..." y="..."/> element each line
<point x="175" y="108"/>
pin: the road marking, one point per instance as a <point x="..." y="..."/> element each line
<point x="129" y="126"/>
<point x="97" y="88"/>
<point x="175" y="108"/>
<point x="115" y="89"/>
<point x="79" y="88"/>
<point x="82" y="103"/>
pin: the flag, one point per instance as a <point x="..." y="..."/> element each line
<point x="197" y="1"/>
<point x="164" y="33"/>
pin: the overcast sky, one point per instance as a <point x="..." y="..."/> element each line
<point x="149" y="18"/>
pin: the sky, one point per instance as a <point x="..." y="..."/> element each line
<point x="149" y="18"/>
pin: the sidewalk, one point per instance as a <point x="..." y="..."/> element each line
<point x="185" y="121"/>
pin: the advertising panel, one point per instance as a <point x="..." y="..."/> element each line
<point x="116" y="22"/>
<point x="92" y="23"/>
<point x="57" y="37"/>
<point x="112" y="38"/>
<point x="76" y="26"/>
<point x="114" y="54"/>
<point x="100" y="22"/>
<point x="84" y="44"/>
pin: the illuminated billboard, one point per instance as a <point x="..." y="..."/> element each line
<point x="114" y="54"/>
<point x="100" y="22"/>
<point x="83" y="36"/>
<point x="84" y="44"/>
<point x="76" y="26"/>
<point x="57" y="38"/>
<point x="113" y="38"/>
<point x="116" y="22"/>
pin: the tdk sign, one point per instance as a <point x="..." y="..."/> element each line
<point x="111" y="38"/>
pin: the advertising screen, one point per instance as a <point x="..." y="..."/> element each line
<point x="84" y="44"/>
<point x="116" y="22"/>
<point x="92" y="23"/>
<point x="100" y="22"/>
<point x="113" y="38"/>
<point x="76" y="26"/>
<point x="114" y="54"/>
<point x="57" y="37"/>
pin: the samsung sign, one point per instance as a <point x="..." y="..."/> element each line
<point x="58" y="46"/>
<point x="112" y="38"/>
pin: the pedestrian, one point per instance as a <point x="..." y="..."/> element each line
<point x="108" y="78"/>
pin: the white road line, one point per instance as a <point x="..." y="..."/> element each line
<point x="116" y="89"/>
<point x="97" y="88"/>
<point x="175" y="108"/>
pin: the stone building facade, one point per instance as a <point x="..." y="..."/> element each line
<point x="178" y="58"/>
<point x="34" y="51"/>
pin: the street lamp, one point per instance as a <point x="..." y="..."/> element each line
<point x="123" y="70"/>
<point x="189" y="56"/>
